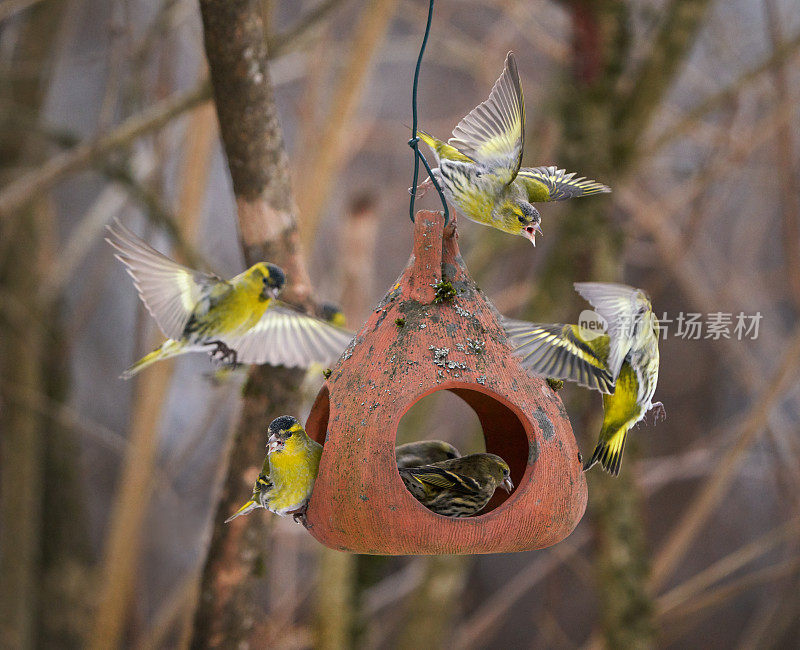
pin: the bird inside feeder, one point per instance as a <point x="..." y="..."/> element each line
<point x="435" y="330"/>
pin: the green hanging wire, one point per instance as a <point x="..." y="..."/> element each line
<point x="414" y="141"/>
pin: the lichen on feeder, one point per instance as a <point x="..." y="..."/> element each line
<point x="359" y="502"/>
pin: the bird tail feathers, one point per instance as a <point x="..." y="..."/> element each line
<point x="608" y="452"/>
<point x="442" y="149"/>
<point x="435" y="144"/>
<point x="246" y="508"/>
<point x="168" y="349"/>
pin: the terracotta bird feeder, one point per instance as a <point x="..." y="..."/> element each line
<point x="435" y="330"/>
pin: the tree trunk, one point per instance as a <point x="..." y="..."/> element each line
<point x="227" y="612"/>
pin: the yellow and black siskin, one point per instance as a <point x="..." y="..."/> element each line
<point x="239" y="319"/>
<point x="459" y="487"/>
<point x="622" y="364"/>
<point x="480" y="168"/>
<point x="289" y="471"/>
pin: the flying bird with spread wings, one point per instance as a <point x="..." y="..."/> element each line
<point x="480" y="168"/>
<point x="621" y="363"/>
<point x="239" y="320"/>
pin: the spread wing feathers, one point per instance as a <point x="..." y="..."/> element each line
<point x="434" y="479"/>
<point x="286" y="337"/>
<point x="617" y="303"/>
<point x="493" y="132"/>
<point x="552" y="184"/>
<point x="169" y="290"/>
<point x="557" y="351"/>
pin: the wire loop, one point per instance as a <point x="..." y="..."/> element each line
<point x="414" y="141"/>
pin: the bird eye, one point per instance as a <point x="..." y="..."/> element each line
<point x="506" y="473"/>
<point x="288" y="435"/>
<point x="521" y="219"/>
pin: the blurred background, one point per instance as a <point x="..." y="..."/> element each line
<point x="109" y="504"/>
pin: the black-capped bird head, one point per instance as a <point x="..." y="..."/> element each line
<point x="281" y="430"/>
<point x="274" y="279"/>
<point x="518" y="216"/>
<point x="530" y="221"/>
<point x="332" y="314"/>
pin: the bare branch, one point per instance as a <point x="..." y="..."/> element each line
<point x="19" y="192"/>
<point x="784" y="151"/>
<point x="753" y="423"/>
<point x="722" y="594"/>
<point x="724" y="567"/>
<point x="126" y="527"/>
<point x="779" y="56"/>
<point x="23" y="189"/>
<point x="320" y="167"/>
<point x="278" y="44"/>
<point x="670" y="46"/>
<point x="474" y="631"/>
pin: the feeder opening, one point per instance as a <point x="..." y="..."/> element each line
<point x="502" y="428"/>
<point x="317" y="425"/>
<point x="442" y="415"/>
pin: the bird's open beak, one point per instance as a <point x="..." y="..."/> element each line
<point x="274" y="292"/>
<point x="273" y="444"/>
<point x="508" y="485"/>
<point x="247" y="507"/>
<point x="530" y="233"/>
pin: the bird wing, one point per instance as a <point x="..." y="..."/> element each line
<point x="558" y="351"/>
<point x="616" y="303"/>
<point x="284" y="336"/>
<point x="169" y="290"/>
<point x="493" y="132"/>
<point x="552" y="184"/>
<point x="434" y="479"/>
<point x="263" y="482"/>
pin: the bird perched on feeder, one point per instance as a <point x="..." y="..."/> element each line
<point x="480" y="168"/>
<point x="240" y="318"/>
<point x="459" y="487"/>
<point x="424" y="452"/>
<point x="289" y="471"/>
<point x="622" y="363"/>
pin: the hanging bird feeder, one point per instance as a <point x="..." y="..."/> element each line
<point x="435" y="330"/>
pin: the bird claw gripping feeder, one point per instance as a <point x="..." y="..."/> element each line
<point x="435" y="330"/>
